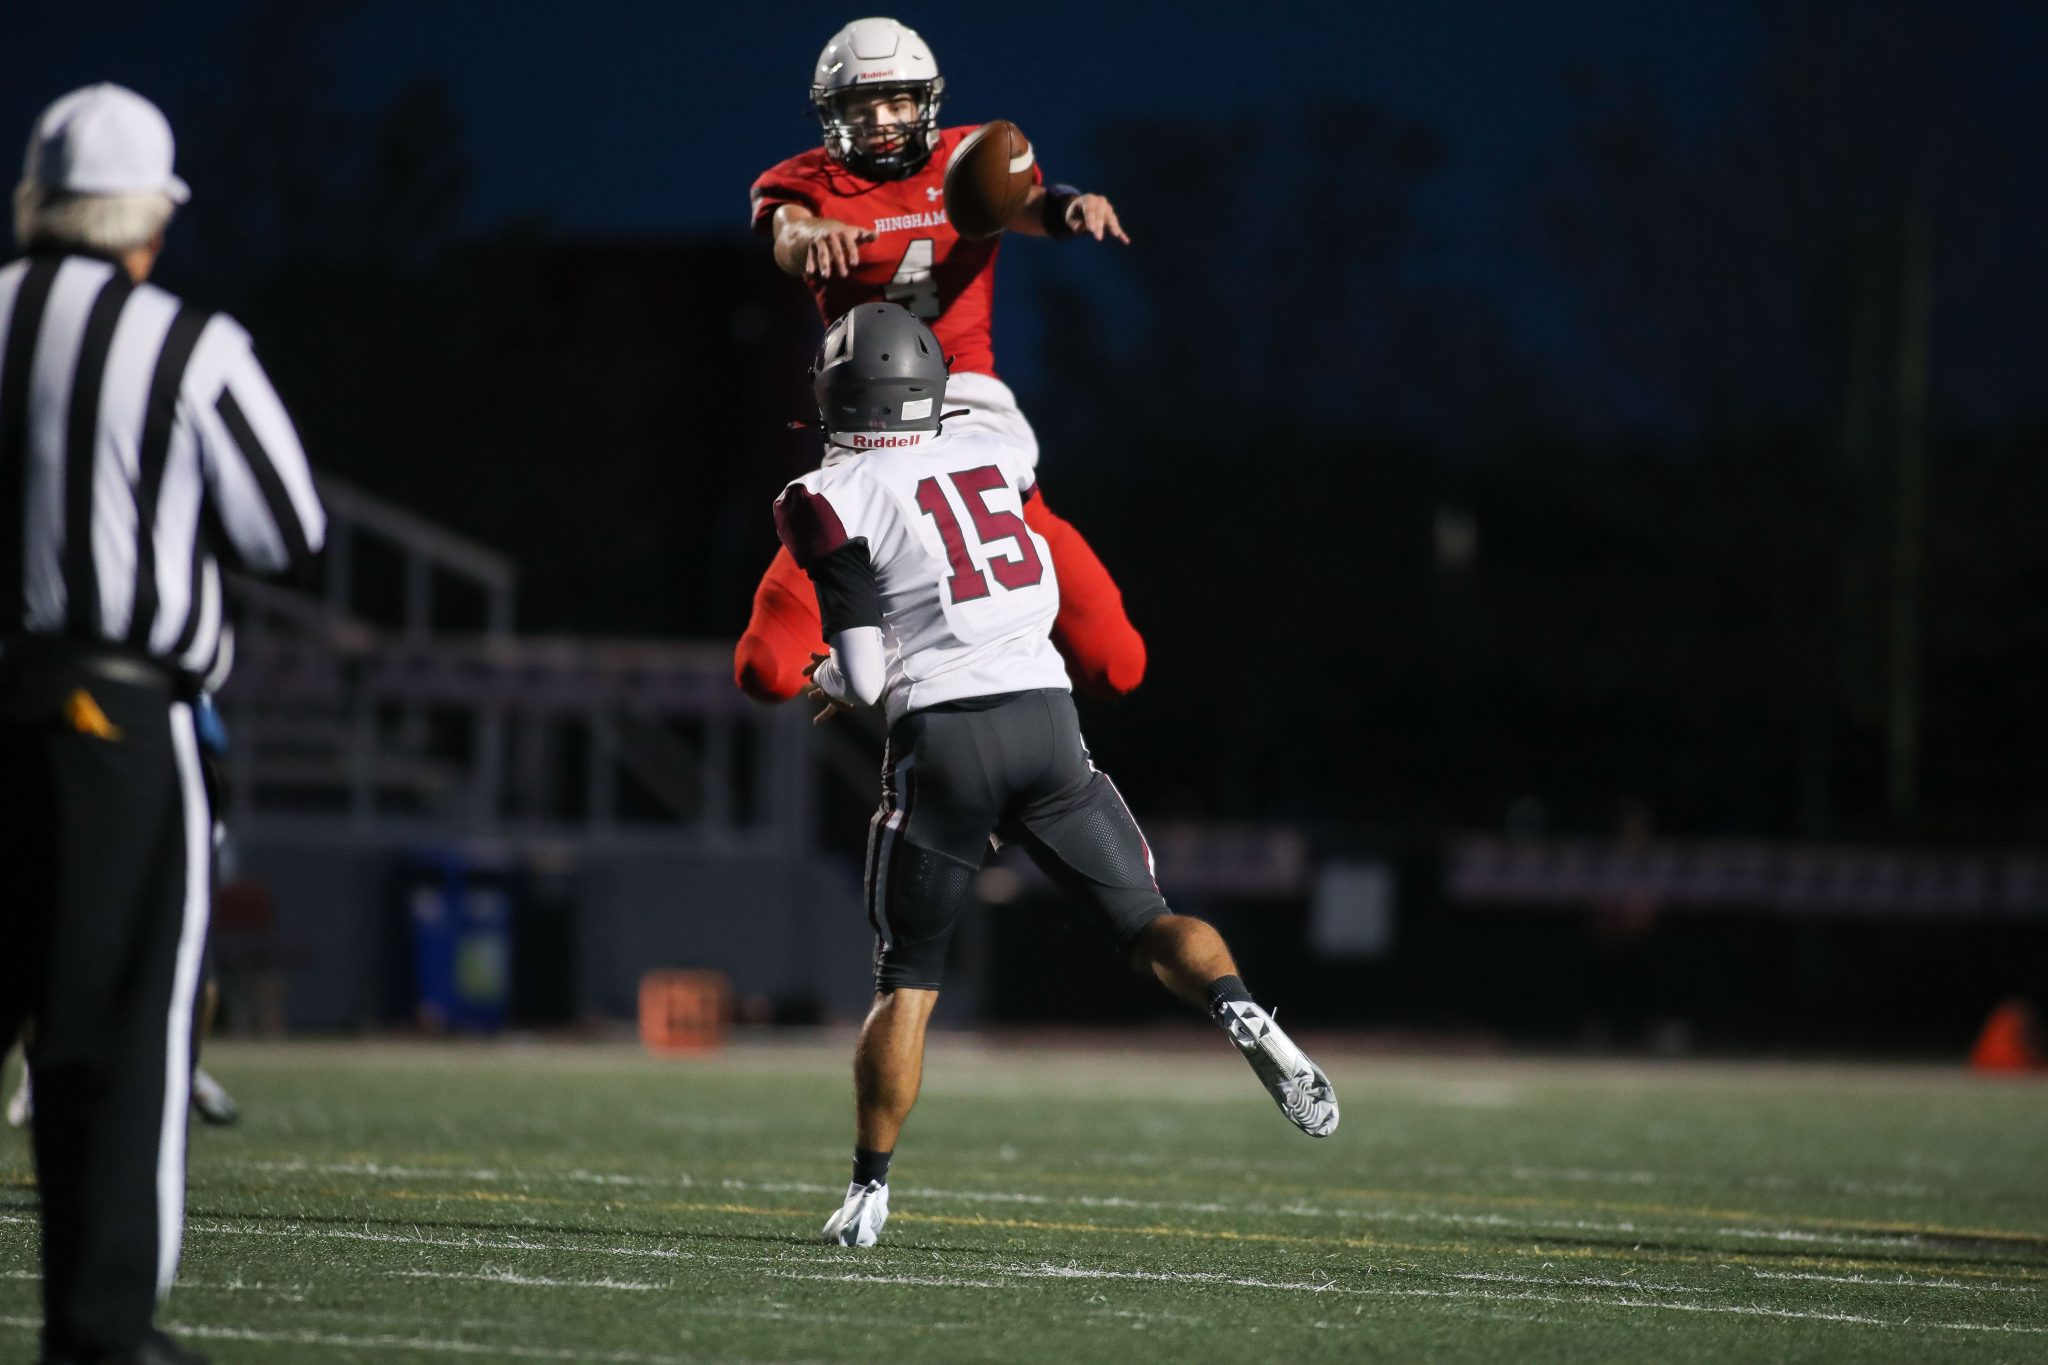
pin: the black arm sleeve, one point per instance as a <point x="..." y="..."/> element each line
<point x="848" y="596"/>
<point x="1053" y="211"/>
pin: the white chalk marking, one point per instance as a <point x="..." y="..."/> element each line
<point x="1580" y="1281"/>
<point x="384" y="1341"/>
<point x="1295" y="1210"/>
<point x="855" y="1277"/>
<point x="1009" y="1274"/>
<point x="1890" y="1282"/>
<point x="526" y="1281"/>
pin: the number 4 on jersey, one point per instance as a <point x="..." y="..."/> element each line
<point x="967" y="581"/>
<point x="912" y="285"/>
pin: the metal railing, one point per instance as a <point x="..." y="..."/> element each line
<point x="406" y="727"/>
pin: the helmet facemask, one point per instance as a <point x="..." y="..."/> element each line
<point x="880" y="152"/>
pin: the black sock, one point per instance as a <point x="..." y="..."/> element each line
<point x="1227" y="990"/>
<point x="868" y="1166"/>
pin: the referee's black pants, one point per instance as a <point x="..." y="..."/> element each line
<point x="104" y="851"/>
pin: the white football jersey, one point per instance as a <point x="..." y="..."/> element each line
<point x="967" y="590"/>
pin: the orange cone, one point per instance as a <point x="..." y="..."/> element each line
<point x="2011" y="1041"/>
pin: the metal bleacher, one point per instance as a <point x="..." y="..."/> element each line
<point x="399" y="703"/>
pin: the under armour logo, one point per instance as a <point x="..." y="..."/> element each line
<point x="932" y="192"/>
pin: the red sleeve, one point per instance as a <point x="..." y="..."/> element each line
<point x="786" y="183"/>
<point x="782" y="634"/>
<point x="1103" y="650"/>
<point x="808" y="524"/>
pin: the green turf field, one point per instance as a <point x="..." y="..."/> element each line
<point x="1125" y="1203"/>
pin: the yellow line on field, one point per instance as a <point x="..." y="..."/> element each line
<point x="1187" y="1234"/>
<point x="1536" y="1249"/>
<point x="1374" y="1244"/>
<point x="1561" y="1250"/>
<point x="485" y="1197"/>
<point x="1791" y="1221"/>
<point x="1049" y="1225"/>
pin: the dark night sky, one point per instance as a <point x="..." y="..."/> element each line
<point x="655" y="118"/>
<point x="651" y="117"/>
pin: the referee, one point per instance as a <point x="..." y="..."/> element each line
<point x="141" y="446"/>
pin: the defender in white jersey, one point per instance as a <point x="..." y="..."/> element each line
<point x="966" y="587"/>
<point x="938" y="603"/>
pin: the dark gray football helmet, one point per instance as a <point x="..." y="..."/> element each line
<point x="879" y="369"/>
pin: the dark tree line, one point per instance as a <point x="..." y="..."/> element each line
<point x="1776" y="573"/>
<point x="1778" y="576"/>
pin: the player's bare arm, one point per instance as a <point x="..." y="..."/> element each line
<point x="811" y="247"/>
<point x="1058" y="211"/>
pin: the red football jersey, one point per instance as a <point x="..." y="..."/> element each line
<point x="916" y="259"/>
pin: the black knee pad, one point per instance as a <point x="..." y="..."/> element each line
<point x="921" y="903"/>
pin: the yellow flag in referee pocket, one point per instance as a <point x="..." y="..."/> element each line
<point x="86" y="717"/>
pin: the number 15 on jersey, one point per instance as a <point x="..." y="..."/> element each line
<point x="969" y="579"/>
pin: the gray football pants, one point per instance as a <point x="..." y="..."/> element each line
<point x="1015" y="766"/>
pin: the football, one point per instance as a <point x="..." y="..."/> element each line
<point x="988" y="179"/>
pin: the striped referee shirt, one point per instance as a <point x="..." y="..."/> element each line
<point x="140" y="445"/>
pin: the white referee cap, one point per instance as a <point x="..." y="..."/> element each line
<point x="103" y="139"/>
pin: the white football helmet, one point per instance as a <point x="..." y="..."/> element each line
<point x="871" y="54"/>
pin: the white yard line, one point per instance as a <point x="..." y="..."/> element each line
<point x="1581" y="1281"/>
<point x="456" y="1244"/>
<point x="1014" y="1275"/>
<point x="1890" y="1282"/>
<point x="856" y="1277"/>
<point x="231" y="1227"/>
<point x="1596" y="1176"/>
<point x="390" y="1342"/>
<point x="527" y="1281"/>
<point x="1009" y="1275"/>
<point x="1732" y="1232"/>
<point x="1561" y="1174"/>
<point x="509" y="1277"/>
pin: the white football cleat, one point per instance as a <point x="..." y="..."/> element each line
<point x="212" y="1101"/>
<point x="1297" y="1084"/>
<point x="21" y="1105"/>
<point x="859" y="1220"/>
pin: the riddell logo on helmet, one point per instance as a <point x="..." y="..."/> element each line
<point x="863" y="441"/>
<point x="884" y="74"/>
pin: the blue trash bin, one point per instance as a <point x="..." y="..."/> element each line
<point x="460" y="911"/>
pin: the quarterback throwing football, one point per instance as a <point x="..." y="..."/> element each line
<point x="862" y="219"/>
<point x="938" y="600"/>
